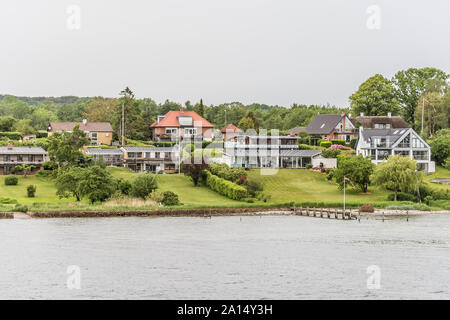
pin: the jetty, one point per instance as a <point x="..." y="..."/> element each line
<point x="325" y="213"/>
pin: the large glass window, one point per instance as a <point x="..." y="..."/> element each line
<point x="403" y="153"/>
<point x="420" y="155"/>
<point x="383" y="154"/>
<point x="416" y="143"/>
<point x="406" y="142"/>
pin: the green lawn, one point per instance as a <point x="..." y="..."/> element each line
<point x="303" y="185"/>
<point x="285" y="186"/>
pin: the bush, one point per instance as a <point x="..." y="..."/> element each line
<point x="253" y="186"/>
<point x="45" y="173"/>
<point x="302" y="146"/>
<point x="4" y="200"/>
<point x="170" y="199"/>
<point x="50" y="165"/>
<point x="325" y="144"/>
<point x="11" y="135"/>
<point x="330" y="175"/>
<point x="225" y="172"/>
<point x="337" y="141"/>
<point x="330" y="153"/>
<point x="31" y="191"/>
<point x="21" y="208"/>
<point x="402" y="196"/>
<point x="11" y="181"/>
<point x="125" y="187"/>
<point x="143" y="185"/>
<point x="353" y="143"/>
<point x="156" y="196"/>
<point x="263" y="196"/>
<point x="309" y="166"/>
<point x="225" y="187"/>
<point x="447" y="163"/>
<point x="367" y="208"/>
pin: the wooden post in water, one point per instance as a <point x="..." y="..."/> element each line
<point x="359" y="216"/>
<point x="336" y="213"/>
<point x="307" y="211"/>
<point x="383" y="216"/>
<point x="328" y="213"/>
<point x="407" y="217"/>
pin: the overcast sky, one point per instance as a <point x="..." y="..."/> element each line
<point x="274" y="52"/>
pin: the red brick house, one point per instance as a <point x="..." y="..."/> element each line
<point x="333" y="126"/>
<point x="175" y="125"/>
<point x="230" y="131"/>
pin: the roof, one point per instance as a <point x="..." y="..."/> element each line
<point x="368" y="122"/>
<point x="296" y="130"/>
<point x="171" y="119"/>
<point x="324" y="123"/>
<point x="23" y="150"/>
<point x="392" y="134"/>
<point x="89" y="126"/>
<point x="230" y="128"/>
<point x="148" y="149"/>
<point x="299" y="153"/>
<point x="103" y="151"/>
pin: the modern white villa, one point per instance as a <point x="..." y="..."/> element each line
<point x="379" y="144"/>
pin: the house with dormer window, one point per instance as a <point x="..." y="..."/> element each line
<point x="182" y="125"/>
<point x="332" y="127"/>
<point x="379" y="144"/>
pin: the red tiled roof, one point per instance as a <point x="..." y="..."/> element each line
<point x="230" y="128"/>
<point x="89" y="126"/>
<point x="171" y="119"/>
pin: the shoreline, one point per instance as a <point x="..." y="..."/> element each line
<point x="205" y="213"/>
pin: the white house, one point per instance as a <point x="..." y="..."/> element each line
<point x="379" y="144"/>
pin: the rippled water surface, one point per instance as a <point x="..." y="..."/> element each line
<point x="269" y="257"/>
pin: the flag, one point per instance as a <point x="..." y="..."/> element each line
<point x="345" y="178"/>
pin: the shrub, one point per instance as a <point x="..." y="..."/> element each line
<point x="225" y="187"/>
<point x="263" y="196"/>
<point x="4" y="200"/>
<point x="337" y="146"/>
<point x="11" y="135"/>
<point x="253" y="186"/>
<point x="11" y="181"/>
<point x="402" y="196"/>
<point x="45" y="173"/>
<point x="309" y="166"/>
<point x="50" y="165"/>
<point x="143" y="185"/>
<point x="21" y="208"/>
<point x="325" y="144"/>
<point x="31" y="191"/>
<point x="305" y="147"/>
<point x="156" y="196"/>
<point x="330" y="153"/>
<point x="125" y="187"/>
<point x="330" y="175"/>
<point x="353" y="143"/>
<point x="225" y="172"/>
<point x="447" y="163"/>
<point x="367" y="208"/>
<point x="337" y="141"/>
<point x="170" y="198"/>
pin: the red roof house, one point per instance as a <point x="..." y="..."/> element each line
<point x="230" y="131"/>
<point x="181" y="124"/>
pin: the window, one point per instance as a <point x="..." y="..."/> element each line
<point x="416" y="143"/>
<point x="171" y="130"/>
<point x="383" y="154"/>
<point x="403" y="153"/>
<point x="157" y="154"/>
<point x="405" y="143"/>
<point x="323" y="125"/>
<point x="19" y="157"/>
<point x="94" y="136"/>
<point x="190" y="131"/>
<point x="167" y="155"/>
<point x="420" y="155"/>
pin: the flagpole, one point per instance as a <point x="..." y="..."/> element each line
<point x="344" y="194"/>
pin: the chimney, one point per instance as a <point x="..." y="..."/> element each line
<point x="361" y="114"/>
<point x="389" y="114"/>
<point x="10" y="146"/>
<point x="84" y="121"/>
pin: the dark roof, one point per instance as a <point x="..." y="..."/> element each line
<point x="299" y="153"/>
<point x="368" y="122"/>
<point x="22" y="150"/>
<point x="89" y="126"/>
<point x="392" y="134"/>
<point x="148" y="149"/>
<point x="296" y="130"/>
<point x="103" y="151"/>
<point x="324" y="123"/>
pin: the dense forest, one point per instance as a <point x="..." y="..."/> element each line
<point x="407" y="94"/>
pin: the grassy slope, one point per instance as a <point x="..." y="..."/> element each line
<point x="287" y="185"/>
<point x="303" y="185"/>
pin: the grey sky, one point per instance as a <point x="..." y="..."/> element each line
<point x="273" y="52"/>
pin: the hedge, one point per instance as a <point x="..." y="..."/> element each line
<point x="337" y="141"/>
<point x="325" y="144"/>
<point x="225" y="187"/>
<point x="11" y="135"/>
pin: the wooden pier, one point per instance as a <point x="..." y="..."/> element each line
<point x="325" y="213"/>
